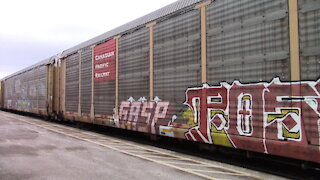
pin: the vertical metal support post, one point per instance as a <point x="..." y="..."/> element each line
<point x="37" y="95"/>
<point x="92" y="85"/>
<point x="1" y="95"/>
<point x="63" y="72"/>
<point x="116" y="110"/>
<point x="202" y="8"/>
<point x="294" y="40"/>
<point x="79" y="105"/>
<point x="56" y="87"/>
<point x="49" y="92"/>
<point x="35" y="78"/>
<point x="151" y="68"/>
<point x="50" y="88"/>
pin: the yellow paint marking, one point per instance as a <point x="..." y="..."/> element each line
<point x="161" y="157"/>
<point x="138" y="151"/>
<point x="167" y="130"/>
<point x="188" y="164"/>
<point x="199" y="163"/>
<point x="107" y="141"/>
<point x="141" y="152"/>
<point x="93" y="134"/>
<point x="122" y="146"/>
<point x="215" y="172"/>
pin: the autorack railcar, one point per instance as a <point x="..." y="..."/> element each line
<point x="241" y="74"/>
<point x="30" y="90"/>
<point x="1" y="94"/>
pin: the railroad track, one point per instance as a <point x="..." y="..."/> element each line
<point x="199" y="168"/>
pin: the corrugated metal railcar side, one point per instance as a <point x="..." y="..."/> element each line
<point x="134" y="72"/>
<point x="177" y="66"/>
<point x="72" y="86"/>
<point x="86" y="83"/>
<point x="26" y="91"/>
<point x="1" y="94"/>
<point x="223" y="72"/>
<point x="309" y="26"/>
<point x="309" y="30"/>
<point x="248" y="43"/>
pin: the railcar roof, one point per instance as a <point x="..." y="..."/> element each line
<point x="156" y="15"/>
<point x="43" y="62"/>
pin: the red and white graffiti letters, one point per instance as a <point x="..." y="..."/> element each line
<point x="267" y="111"/>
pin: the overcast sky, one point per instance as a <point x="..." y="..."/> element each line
<point x="33" y="30"/>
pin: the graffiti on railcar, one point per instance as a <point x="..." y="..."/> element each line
<point x="23" y="94"/>
<point x="23" y="104"/>
<point x="144" y="114"/>
<point x="229" y="113"/>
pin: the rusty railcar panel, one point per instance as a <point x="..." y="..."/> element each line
<point x="72" y="83"/>
<point x="134" y="65"/>
<point x="177" y="59"/>
<point x="248" y="41"/>
<point x="86" y="80"/>
<point x="309" y="27"/>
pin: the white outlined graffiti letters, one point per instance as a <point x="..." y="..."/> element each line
<point x="145" y="114"/>
<point x="275" y="111"/>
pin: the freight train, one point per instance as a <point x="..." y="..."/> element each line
<point x="240" y="74"/>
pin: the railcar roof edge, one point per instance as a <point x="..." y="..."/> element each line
<point x="153" y="16"/>
<point x="41" y="63"/>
